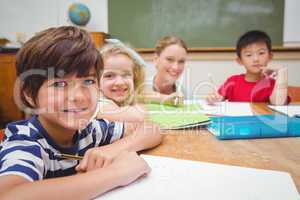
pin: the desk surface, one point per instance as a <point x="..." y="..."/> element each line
<point x="282" y="154"/>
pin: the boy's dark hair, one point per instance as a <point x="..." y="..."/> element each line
<point x="66" y="50"/>
<point x="250" y="37"/>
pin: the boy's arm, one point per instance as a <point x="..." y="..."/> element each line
<point x="126" y="168"/>
<point x="140" y="136"/>
<point x="218" y="95"/>
<point x="137" y="137"/>
<point x="214" y="97"/>
<point x="82" y="186"/>
<point x="280" y="91"/>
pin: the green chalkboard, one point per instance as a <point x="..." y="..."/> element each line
<point x="201" y="23"/>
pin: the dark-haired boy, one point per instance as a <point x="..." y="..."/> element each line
<point x="260" y="82"/>
<point x="59" y="71"/>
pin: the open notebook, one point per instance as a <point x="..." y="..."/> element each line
<point x="183" y="179"/>
<point x="171" y="117"/>
<point x="290" y="110"/>
<point x="226" y="108"/>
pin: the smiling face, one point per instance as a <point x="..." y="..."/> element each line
<point x="254" y="58"/>
<point x="170" y="63"/>
<point x="67" y="103"/>
<point x="117" y="81"/>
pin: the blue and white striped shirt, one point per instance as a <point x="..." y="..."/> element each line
<point x="28" y="150"/>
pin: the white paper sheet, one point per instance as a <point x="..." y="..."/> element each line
<point x="226" y="108"/>
<point x="290" y="110"/>
<point x="182" y="179"/>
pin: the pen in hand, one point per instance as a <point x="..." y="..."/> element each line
<point x="211" y="81"/>
<point x="214" y="96"/>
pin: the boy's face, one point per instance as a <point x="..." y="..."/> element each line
<point x="68" y="102"/>
<point x="170" y="63"/>
<point x="117" y="81"/>
<point x="255" y="57"/>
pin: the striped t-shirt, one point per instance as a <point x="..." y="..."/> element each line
<point x="29" y="151"/>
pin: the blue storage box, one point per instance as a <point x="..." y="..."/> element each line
<point x="260" y="126"/>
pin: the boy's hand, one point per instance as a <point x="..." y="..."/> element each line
<point x="129" y="167"/>
<point x="213" y="98"/>
<point x="97" y="157"/>
<point x="271" y="71"/>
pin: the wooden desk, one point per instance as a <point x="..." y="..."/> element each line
<point x="282" y="154"/>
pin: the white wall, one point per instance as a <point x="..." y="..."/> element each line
<point x="291" y="31"/>
<point x="26" y="16"/>
<point x="30" y="16"/>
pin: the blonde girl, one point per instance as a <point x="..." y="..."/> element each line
<point x="122" y="83"/>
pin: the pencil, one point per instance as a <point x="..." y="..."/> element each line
<point x="69" y="156"/>
<point x="211" y="81"/>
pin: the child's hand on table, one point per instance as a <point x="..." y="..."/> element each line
<point x="214" y="97"/>
<point x="129" y="167"/>
<point x="97" y="157"/>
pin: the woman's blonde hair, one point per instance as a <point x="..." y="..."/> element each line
<point x="138" y="69"/>
<point x="166" y="41"/>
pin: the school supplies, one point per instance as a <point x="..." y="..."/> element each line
<point x="178" y="179"/>
<point x="170" y="117"/>
<point x="290" y="110"/>
<point x="260" y="126"/>
<point x="212" y="82"/>
<point x="226" y="108"/>
<point x="68" y="156"/>
<point x="155" y="99"/>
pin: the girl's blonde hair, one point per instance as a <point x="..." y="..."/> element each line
<point x="111" y="49"/>
<point x="166" y="41"/>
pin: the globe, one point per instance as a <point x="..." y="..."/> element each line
<point x="79" y="14"/>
